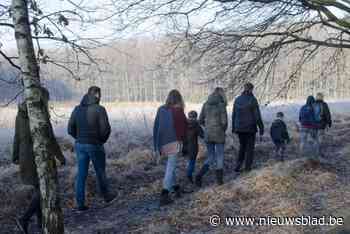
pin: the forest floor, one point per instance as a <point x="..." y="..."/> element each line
<point x="291" y="188"/>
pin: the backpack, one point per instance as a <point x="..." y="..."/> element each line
<point x="307" y="115"/>
<point x="318" y="111"/>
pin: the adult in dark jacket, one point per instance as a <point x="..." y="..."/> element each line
<point x="325" y="120"/>
<point x="213" y="118"/>
<point x="191" y="146"/>
<point x="246" y="118"/>
<point x="24" y="156"/>
<point x="309" y="129"/>
<point x="90" y="128"/>
<point x="169" y="132"/>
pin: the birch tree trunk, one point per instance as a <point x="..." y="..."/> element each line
<point x="39" y="121"/>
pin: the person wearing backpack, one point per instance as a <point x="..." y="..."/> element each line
<point x="309" y="128"/>
<point x="323" y="117"/>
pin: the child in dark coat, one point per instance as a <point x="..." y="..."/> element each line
<point x="279" y="135"/>
<point x="194" y="130"/>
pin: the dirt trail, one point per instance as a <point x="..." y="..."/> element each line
<point x="138" y="189"/>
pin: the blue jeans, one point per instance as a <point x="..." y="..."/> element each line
<point x="191" y="166"/>
<point x="170" y="173"/>
<point x="215" y="155"/>
<point x="85" y="153"/>
<point x="309" y="143"/>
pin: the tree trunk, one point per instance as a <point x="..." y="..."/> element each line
<point x="39" y="121"/>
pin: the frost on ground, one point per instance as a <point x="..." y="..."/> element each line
<point x="295" y="187"/>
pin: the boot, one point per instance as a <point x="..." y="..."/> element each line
<point x="238" y="167"/>
<point x="190" y="179"/>
<point x="109" y="198"/>
<point x="164" y="198"/>
<point x="177" y="191"/>
<point x="201" y="173"/>
<point x="22" y="224"/>
<point x="219" y="176"/>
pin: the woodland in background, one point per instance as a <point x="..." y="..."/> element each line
<point x="140" y="70"/>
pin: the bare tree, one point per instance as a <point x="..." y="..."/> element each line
<point x="31" y="26"/>
<point x="39" y="120"/>
<point x="242" y="40"/>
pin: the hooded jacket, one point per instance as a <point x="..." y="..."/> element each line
<point x="246" y="116"/>
<point x="307" y="114"/>
<point x="89" y="122"/>
<point x="213" y="117"/>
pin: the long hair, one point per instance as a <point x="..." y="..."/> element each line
<point x="221" y="92"/>
<point x="175" y="99"/>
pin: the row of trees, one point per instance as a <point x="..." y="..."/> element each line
<point x="225" y="42"/>
<point x="137" y="71"/>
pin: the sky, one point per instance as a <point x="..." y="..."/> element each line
<point x="104" y="31"/>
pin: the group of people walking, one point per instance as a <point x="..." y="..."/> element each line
<point x="173" y="134"/>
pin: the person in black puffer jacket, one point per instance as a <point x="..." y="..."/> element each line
<point x="90" y="128"/>
<point x="279" y="135"/>
<point x="246" y="118"/>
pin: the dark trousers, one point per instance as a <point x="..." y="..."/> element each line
<point x="85" y="154"/>
<point x="246" y="150"/>
<point x="34" y="207"/>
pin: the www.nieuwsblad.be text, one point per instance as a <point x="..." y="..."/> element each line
<point x="216" y="220"/>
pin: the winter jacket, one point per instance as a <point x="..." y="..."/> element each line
<point x="194" y="131"/>
<point x="279" y="133"/>
<point x="169" y="126"/>
<point x="326" y="118"/>
<point x="23" y="148"/>
<point x="246" y="116"/>
<point x="213" y="117"/>
<point x="89" y="123"/>
<point x="307" y="115"/>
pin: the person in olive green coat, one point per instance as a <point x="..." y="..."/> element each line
<point x="24" y="156"/>
<point x="213" y="118"/>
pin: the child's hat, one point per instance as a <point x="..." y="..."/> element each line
<point x="280" y="115"/>
<point x="192" y="114"/>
